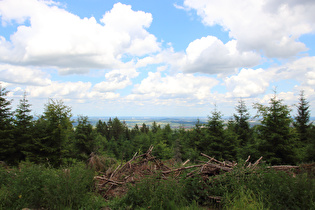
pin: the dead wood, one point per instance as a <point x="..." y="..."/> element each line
<point x="114" y="171"/>
<point x="212" y="159"/>
<point x="180" y="169"/>
<point x="186" y="162"/>
<point x="139" y="166"/>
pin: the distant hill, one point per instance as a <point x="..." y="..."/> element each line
<point x="175" y="122"/>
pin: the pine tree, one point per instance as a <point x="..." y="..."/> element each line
<point x="102" y="128"/>
<point x="302" y="119"/>
<point x="84" y="137"/>
<point x="242" y="127"/>
<point x="117" y="129"/>
<point x="217" y="142"/>
<point x="276" y="146"/>
<point x="305" y="130"/>
<point x="5" y="109"/>
<point x="53" y="130"/>
<point x="23" y="129"/>
<point x="155" y="127"/>
<point x="7" y="149"/>
<point x="144" y="128"/>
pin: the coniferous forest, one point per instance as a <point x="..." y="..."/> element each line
<point x="44" y="158"/>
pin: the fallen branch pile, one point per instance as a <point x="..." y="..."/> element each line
<point x="114" y="183"/>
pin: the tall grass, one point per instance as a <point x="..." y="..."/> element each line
<point x="35" y="186"/>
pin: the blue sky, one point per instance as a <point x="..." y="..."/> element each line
<point x="157" y="58"/>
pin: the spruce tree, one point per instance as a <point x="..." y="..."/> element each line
<point x="242" y="127"/>
<point x="302" y="119"/>
<point x="276" y="138"/>
<point x="53" y="130"/>
<point x="5" y="109"/>
<point x="23" y="129"/>
<point x="7" y="149"/>
<point x="217" y="142"/>
<point x="84" y="138"/>
<point x="102" y="128"/>
<point x="305" y="130"/>
<point x="212" y="144"/>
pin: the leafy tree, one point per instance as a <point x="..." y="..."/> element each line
<point x="7" y="149"/>
<point x="23" y="129"/>
<point x="275" y="134"/>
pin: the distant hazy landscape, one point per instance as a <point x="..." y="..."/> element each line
<point x="175" y="122"/>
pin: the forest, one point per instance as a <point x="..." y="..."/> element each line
<point x="50" y="141"/>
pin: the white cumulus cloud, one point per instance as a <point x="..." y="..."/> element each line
<point x="248" y="83"/>
<point x="116" y="79"/>
<point x="23" y="75"/>
<point x="179" y="86"/>
<point x="272" y="27"/>
<point x="210" y="55"/>
<point x="58" y="38"/>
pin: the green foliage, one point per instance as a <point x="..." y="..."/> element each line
<point x="102" y="128"/>
<point x="264" y="188"/>
<point x="5" y="109"/>
<point x="243" y="199"/>
<point x="85" y="138"/>
<point x="218" y="142"/>
<point x="242" y="128"/>
<point x="23" y="130"/>
<point x="195" y="190"/>
<point x="34" y="186"/>
<point x="55" y="127"/>
<point x="153" y="193"/>
<point x="310" y="149"/>
<point x="305" y="137"/>
<point x="277" y="140"/>
<point x="302" y="119"/>
<point x="8" y="145"/>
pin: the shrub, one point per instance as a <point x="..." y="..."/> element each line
<point x="34" y="186"/>
<point x="154" y="193"/>
<point x="264" y="187"/>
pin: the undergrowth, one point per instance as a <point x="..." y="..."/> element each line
<point x="36" y="186"/>
<point x="240" y="189"/>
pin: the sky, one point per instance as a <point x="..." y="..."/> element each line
<point x="157" y="58"/>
